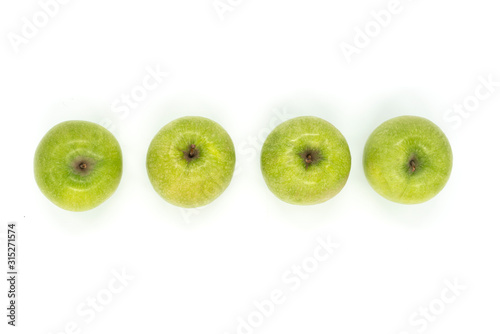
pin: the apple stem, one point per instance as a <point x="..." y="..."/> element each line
<point x="83" y="165"/>
<point x="413" y="165"/>
<point x="309" y="159"/>
<point x="192" y="151"/>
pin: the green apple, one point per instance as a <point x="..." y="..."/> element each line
<point x="407" y="159"/>
<point x="78" y="165"/>
<point x="190" y="161"/>
<point x="305" y="161"/>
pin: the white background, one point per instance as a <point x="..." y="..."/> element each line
<point x="198" y="271"/>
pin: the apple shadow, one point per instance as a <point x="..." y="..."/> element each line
<point x="85" y="109"/>
<point x="78" y="223"/>
<point x="398" y="104"/>
<point x="312" y="104"/>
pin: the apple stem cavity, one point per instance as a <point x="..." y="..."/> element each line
<point x="82" y="166"/>
<point x="191" y="153"/>
<point x="310" y="157"/>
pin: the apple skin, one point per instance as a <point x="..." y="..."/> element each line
<point x="194" y="183"/>
<point x="284" y="168"/>
<point x="388" y="154"/>
<point x="59" y="155"/>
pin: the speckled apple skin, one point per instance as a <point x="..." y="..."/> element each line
<point x="198" y="182"/>
<point x="285" y="172"/>
<point x="53" y="169"/>
<point x="391" y="146"/>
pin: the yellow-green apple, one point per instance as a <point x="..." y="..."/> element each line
<point x="407" y="159"/>
<point x="305" y="161"/>
<point x="190" y="161"/>
<point x="78" y="165"/>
